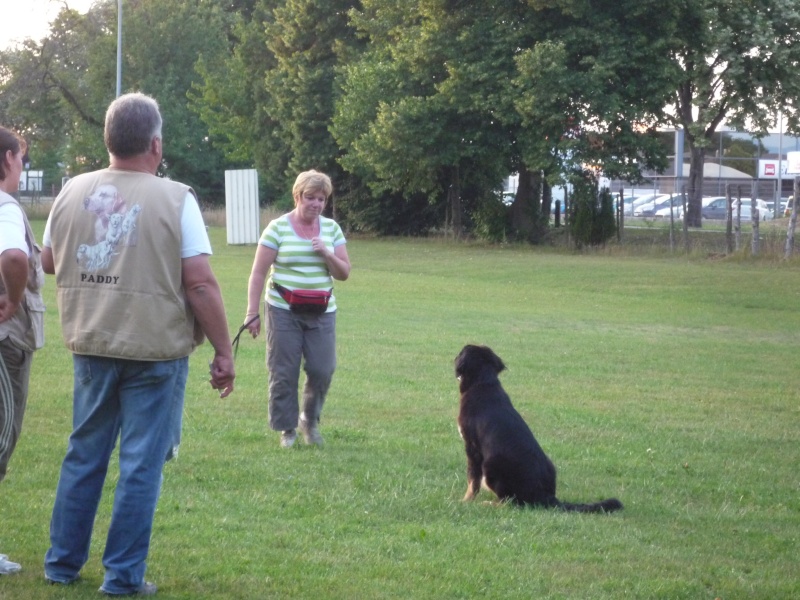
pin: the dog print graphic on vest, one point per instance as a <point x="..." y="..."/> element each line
<point x="115" y="226"/>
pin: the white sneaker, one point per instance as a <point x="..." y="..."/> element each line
<point x="7" y="567"/>
<point x="310" y="433"/>
<point x="288" y="438"/>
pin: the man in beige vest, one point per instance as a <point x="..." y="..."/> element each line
<point x="136" y="294"/>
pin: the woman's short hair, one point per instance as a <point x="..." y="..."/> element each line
<point x="9" y="140"/>
<point x="313" y="181"/>
<point x="132" y="121"/>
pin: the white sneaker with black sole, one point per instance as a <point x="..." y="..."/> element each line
<point x="288" y="438"/>
<point x="8" y="567"/>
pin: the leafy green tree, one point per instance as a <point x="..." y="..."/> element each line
<point x="415" y="107"/>
<point x="480" y="82"/>
<point x="59" y="87"/>
<point x="592" y="85"/>
<point x="738" y="63"/>
<point x="274" y="98"/>
<point x="231" y="95"/>
<point x="47" y="94"/>
<point x="375" y="118"/>
<point x="452" y="95"/>
<point x="306" y="37"/>
<point x="411" y="120"/>
<point x="691" y="65"/>
<point x="163" y="40"/>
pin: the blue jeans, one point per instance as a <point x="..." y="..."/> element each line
<point x="142" y="403"/>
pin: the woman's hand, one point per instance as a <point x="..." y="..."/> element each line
<point x="7" y="308"/>
<point x="253" y="324"/>
<point x="319" y="247"/>
<point x="338" y="261"/>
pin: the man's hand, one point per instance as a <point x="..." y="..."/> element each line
<point x="222" y="375"/>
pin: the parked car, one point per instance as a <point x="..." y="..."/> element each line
<point x="648" y="209"/>
<point x="676" y="209"/>
<point x="627" y="204"/>
<point x="764" y="213"/>
<point x="678" y="206"/>
<point x="639" y="201"/>
<point x="781" y="207"/>
<point x="718" y="209"/>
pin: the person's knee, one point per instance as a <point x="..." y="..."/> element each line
<point x="321" y="373"/>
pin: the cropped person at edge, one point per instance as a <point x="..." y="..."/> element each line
<point x="300" y="250"/>
<point x="136" y="294"/>
<point x="21" y="307"/>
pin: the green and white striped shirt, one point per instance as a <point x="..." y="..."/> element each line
<point x="297" y="266"/>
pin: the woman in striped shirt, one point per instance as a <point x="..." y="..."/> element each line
<point x="301" y="250"/>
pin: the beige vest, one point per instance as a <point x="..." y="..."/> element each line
<point x="26" y="327"/>
<point x="116" y="241"/>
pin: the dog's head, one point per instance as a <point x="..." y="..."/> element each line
<point x="104" y="201"/>
<point x="475" y="363"/>
<point x="115" y="220"/>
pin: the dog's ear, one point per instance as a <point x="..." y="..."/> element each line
<point x="494" y="360"/>
<point x="464" y="362"/>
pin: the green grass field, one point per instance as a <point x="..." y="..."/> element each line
<point x="670" y="383"/>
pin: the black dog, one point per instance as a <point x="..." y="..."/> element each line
<point x="502" y="453"/>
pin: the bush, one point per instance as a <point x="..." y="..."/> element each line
<point x="593" y="222"/>
<point x="490" y="219"/>
<point x="359" y="210"/>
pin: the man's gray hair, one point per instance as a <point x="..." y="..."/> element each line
<point x="132" y="121"/>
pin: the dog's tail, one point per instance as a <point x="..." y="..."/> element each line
<point x="603" y="506"/>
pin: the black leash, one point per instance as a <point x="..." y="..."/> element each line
<point x="235" y="343"/>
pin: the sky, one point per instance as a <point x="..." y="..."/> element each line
<point x="20" y="19"/>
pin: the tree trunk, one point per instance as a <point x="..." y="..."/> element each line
<point x="684" y="222"/>
<point x="547" y="200"/>
<point x="526" y="205"/>
<point x="695" y="201"/>
<point x="454" y="202"/>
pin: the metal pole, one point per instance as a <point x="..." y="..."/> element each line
<point x="719" y="168"/>
<point x="792" y="220"/>
<point x="119" y="48"/>
<point x="780" y="164"/>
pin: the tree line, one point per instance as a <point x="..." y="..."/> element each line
<point x="417" y="108"/>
